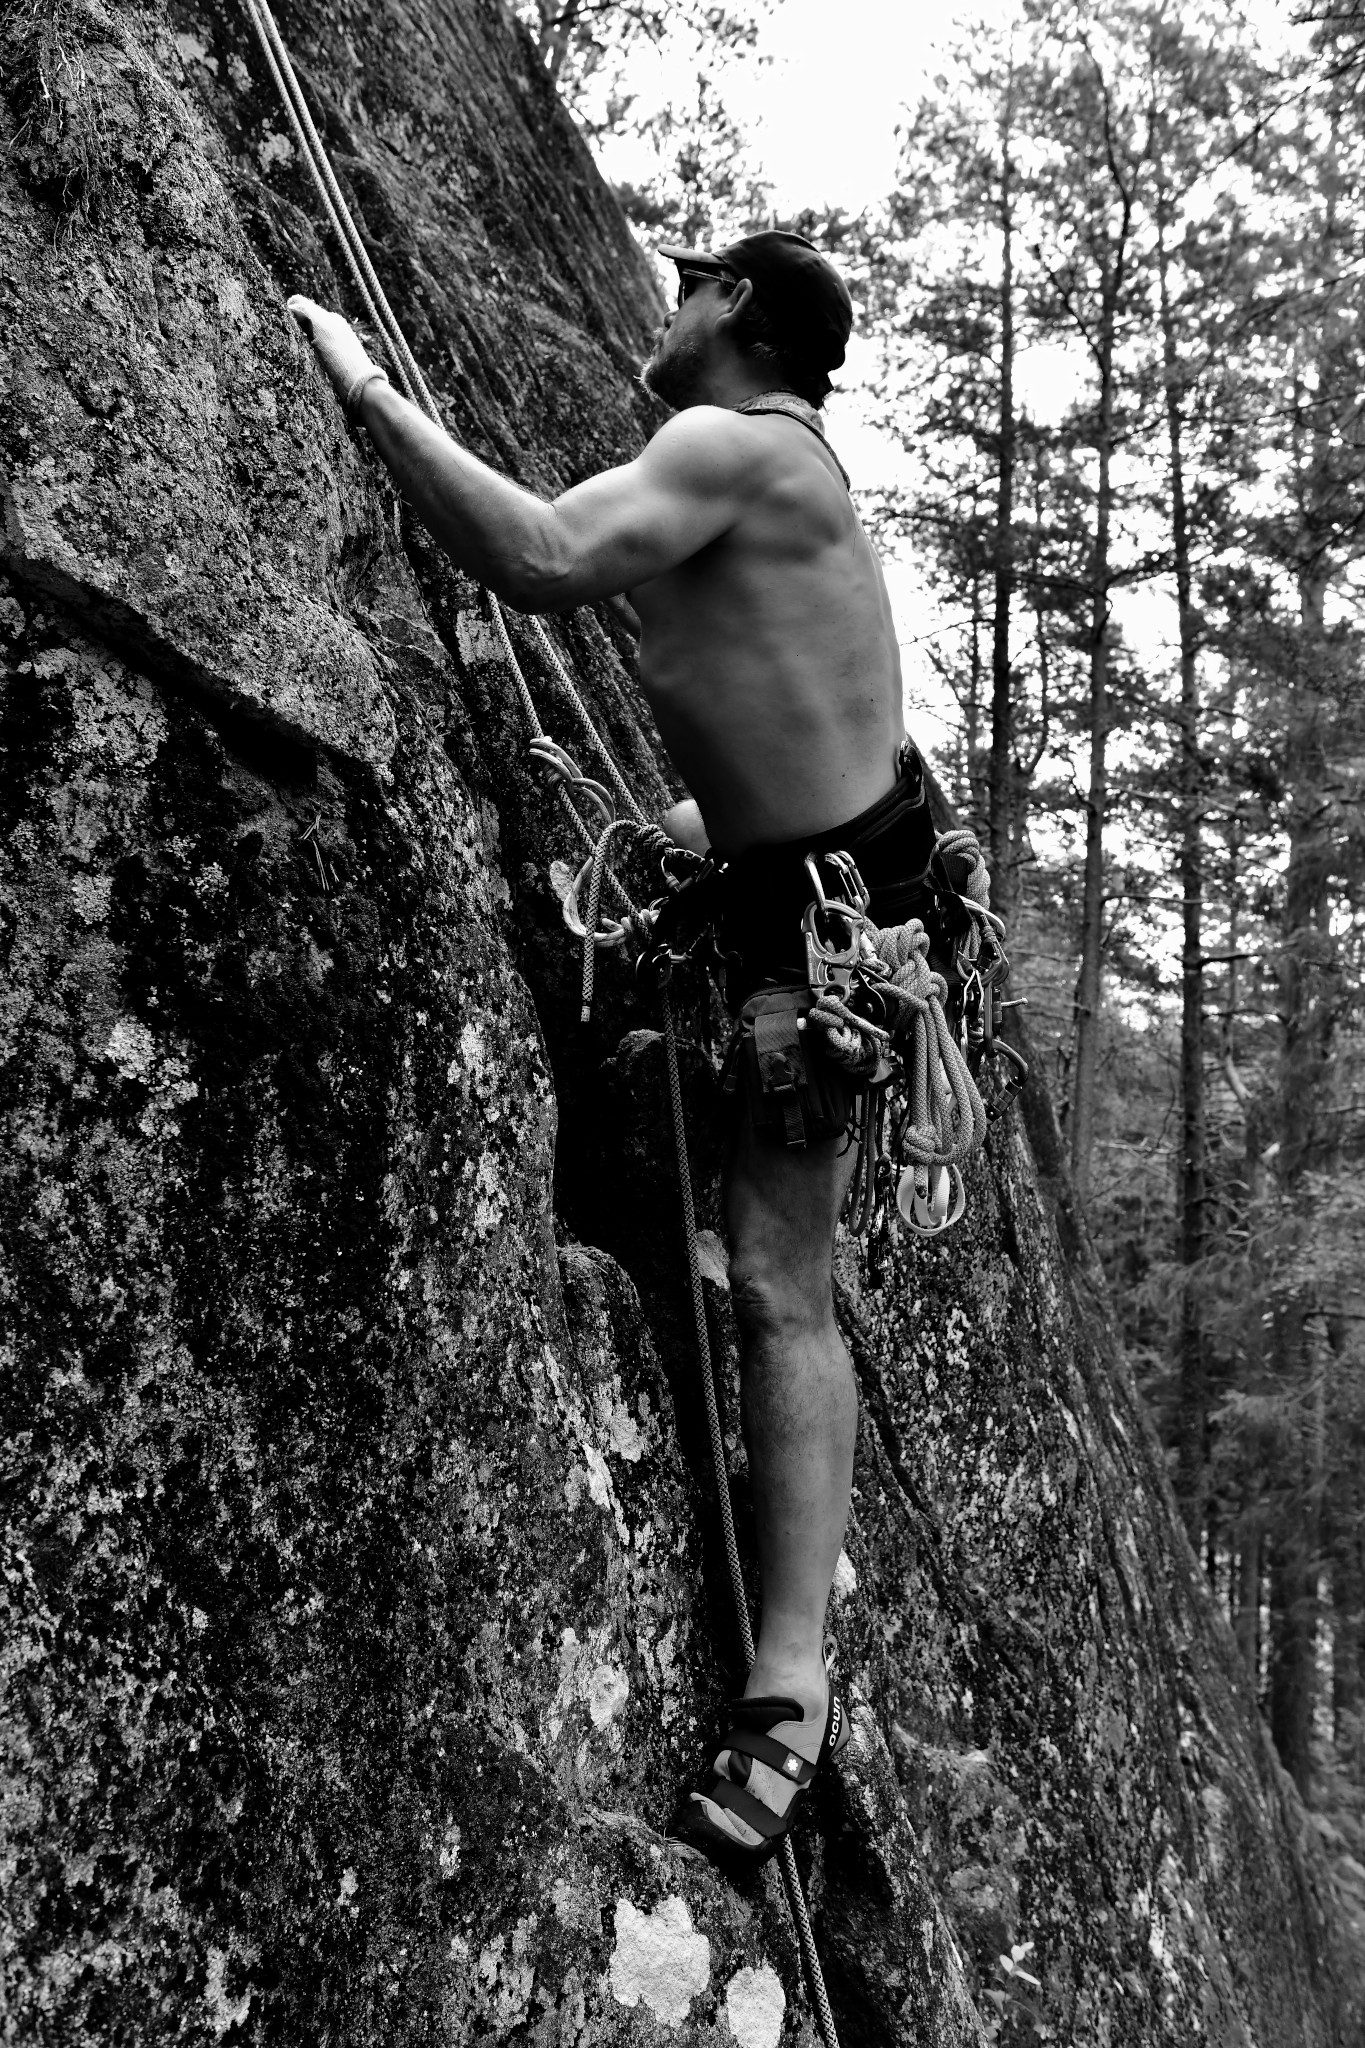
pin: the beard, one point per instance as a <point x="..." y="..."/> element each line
<point x="675" y="372"/>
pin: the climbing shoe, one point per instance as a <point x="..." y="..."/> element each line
<point x="749" y="1741"/>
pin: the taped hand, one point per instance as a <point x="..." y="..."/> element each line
<point x="338" y="348"/>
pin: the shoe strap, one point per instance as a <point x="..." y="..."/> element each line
<point x="751" y="1811"/>
<point x="765" y="1711"/>
<point x="765" y="1749"/>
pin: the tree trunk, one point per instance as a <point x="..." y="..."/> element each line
<point x="1247" y="1614"/>
<point x="1306" y="1028"/>
<point x="556" y="28"/>
<point x="1089" y="983"/>
<point x="364" y="1610"/>
<point x="1002" y="770"/>
<point x="1342" y="1552"/>
<point x="972" y="715"/>
<point x="1192" y="1423"/>
<point x="1293" y="1633"/>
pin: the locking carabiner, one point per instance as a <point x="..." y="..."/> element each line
<point x="1011" y="1083"/>
<point x="850" y="881"/>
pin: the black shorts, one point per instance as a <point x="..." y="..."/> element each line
<point x="763" y="892"/>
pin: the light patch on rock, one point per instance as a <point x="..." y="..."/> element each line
<point x="666" y="1652"/>
<point x="348" y="1888"/>
<point x="599" y="1479"/>
<point x="476" y="639"/>
<point x="516" y="1976"/>
<point x="117" y="717"/>
<point x="476" y="1064"/>
<point x="275" y="149"/>
<point x="233" y="304"/>
<point x="754" y="2005"/>
<point x="845" y="1579"/>
<point x="576" y="1907"/>
<point x="132" y="1049"/>
<point x="608" y="1691"/>
<point x="562" y="878"/>
<point x="491" y="1203"/>
<point x="623" y="1431"/>
<point x="449" y="1853"/>
<point x="194" y="51"/>
<point x="659" y="1959"/>
<point x="713" y="1259"/>
<point x="90" y="894"/>
<point x="224" y="2012"/>
<point x="588" y="1674"/>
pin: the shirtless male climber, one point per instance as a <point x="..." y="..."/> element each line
<point x="770" y="662"/>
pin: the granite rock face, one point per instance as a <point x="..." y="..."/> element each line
<point x="362" y="1608"/>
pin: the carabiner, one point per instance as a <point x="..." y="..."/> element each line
<point x="930" y="1200"/>
<point x="1012" y="1083"/>
<point x="813" y="872"/>
<point x="830" y="966"/>
<point x="850" y="881"/>
<point x="846" y="868"/>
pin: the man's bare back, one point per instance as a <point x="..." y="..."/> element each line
<point x="769" y="657"/>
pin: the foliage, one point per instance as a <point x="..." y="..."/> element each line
<point x="702" y="185"/>
<point x="1196" y="191"/>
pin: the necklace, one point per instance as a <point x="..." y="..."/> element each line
<point x="795" y="408"/>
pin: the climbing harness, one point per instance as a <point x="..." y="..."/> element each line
<point x="872" y="996"/>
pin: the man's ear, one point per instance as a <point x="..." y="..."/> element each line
<point x="735" y="302"/>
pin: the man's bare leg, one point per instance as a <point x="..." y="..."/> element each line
<point x="800" y="1421"/>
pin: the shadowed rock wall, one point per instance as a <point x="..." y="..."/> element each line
<point x="362" y="1612"/>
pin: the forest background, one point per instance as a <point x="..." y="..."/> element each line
<point x="1111" y="309"/>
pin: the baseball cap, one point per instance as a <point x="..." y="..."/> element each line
<point x="801" y="292"/>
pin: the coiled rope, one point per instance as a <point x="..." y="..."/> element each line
<point x="414" y="386"/>
<point x="948" y="1117"/>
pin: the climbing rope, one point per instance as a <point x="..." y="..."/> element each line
<point x="568" y="782"/>
<point x="948" y="1118"/>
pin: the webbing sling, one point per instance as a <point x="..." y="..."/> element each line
<point x="414" y="386"/>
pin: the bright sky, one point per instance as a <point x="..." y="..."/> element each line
<point x="821" y="102"/>
<point x="823" y="113"/>
<point x="822" y="97"/>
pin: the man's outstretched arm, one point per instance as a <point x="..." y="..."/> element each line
<point x="606" y="535"/>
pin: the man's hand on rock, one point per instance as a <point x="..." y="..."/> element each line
<point x="339" y="349"/>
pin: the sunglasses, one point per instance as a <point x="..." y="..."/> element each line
<point x="688" y="280"/>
